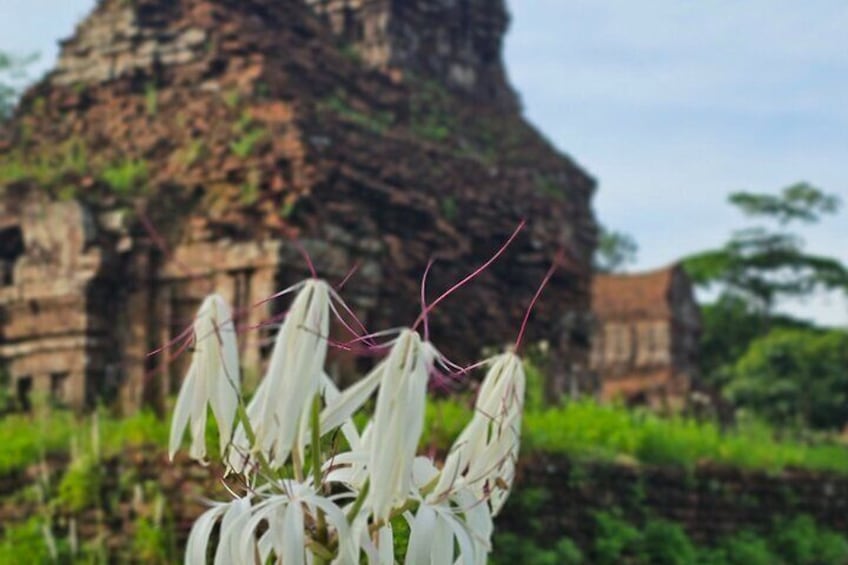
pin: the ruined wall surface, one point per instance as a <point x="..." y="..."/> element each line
<point x="709" y="502"/>
<point x="554" y="497"/>
<point x="455" y="42"/>
<point x="202" y="136"/>
<point x="51" y="336"/>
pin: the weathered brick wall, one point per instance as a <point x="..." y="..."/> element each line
<point x="555" y="497"/>
<point x="709" y="502"/>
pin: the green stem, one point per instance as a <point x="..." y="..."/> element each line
<point x="360" y="500"/>
<point x="251" y="437"/>
<point x="316" y="472"/>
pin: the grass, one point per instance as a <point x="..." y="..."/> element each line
<point x="582" y="430"/>
<point x="587" y="430"/>
<point x="27" y="440"/>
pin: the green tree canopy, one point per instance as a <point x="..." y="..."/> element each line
<point x="616" y="250"/>
<point x="12" y="74"/>
<point x="760" y="264"/>
<point x="797" y="376"/>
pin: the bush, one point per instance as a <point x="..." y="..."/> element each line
<point x="666" y="543"/>
<point x="510" y="549"/>
<point x="800" y="541"/>
<point x="80" y="485"/>
<point x="584" y="429"/>
<point x="614" y="538"/>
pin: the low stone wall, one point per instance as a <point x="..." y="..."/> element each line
<point x="555" y="497"/>
<point x="709" y="502"/>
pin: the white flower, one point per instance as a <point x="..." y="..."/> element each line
<point x="458" y="512"/>
<point x="398" y="422"/>
<point x="212" y="380"/>
<point x="201" y="530"/>
<point x="436" y="532"/>
<point x="485" y="453"/>
<point x="387" y="447"/>
<point x="290" y="517"/>
<point x="280" y="410"/>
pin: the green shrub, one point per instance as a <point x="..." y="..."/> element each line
<point x="24" y="543"/>
<point x="666" y="543"/>
<point x="80" y="485"/>
<point x="510" y="549"/>
<point x="746" y="548"/>
<point x="126" y="177"/>
<point x="801" y="541"/>
<point x="614" y="538"/>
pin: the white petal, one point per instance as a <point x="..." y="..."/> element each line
<point x="421" y="537"/>
<point x="181" y="412"/>
<point x="198" y="539"/>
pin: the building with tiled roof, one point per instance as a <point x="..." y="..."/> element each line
<point x="645" y="345"/>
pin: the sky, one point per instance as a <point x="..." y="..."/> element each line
<point x="670" y="104"/>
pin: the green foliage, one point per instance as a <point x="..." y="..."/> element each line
<point x="800" y="201"/>
<point x="46" y="168"/>
<point x="744" y="548"/>
<point x="12" y="76"/>
<point x="615" y="251"/>
<point x="510" y="549"/>
<point x="549" y="187"/>
<point x="80" y="485"/>
<point x="400" y="537"/>
<point x="338" y="104"/>
<point x="587" y="430"/>
<point x="232" y="99"/>
<point x="800" y="540"/>
<point x="26" y="439"/>
<point x="126" y="177"/>
<point x="24" y="543"/>
<point x="796" y="541"/>
<point x="153" y="538"/>
<point x="614" y="538"/>
<point x="431" y="117"/>
<point x="151" y="99"/>
<point x="243" y="146"/>
<point x="761" y="265"/>
<point x="728" y="327"/>
<point x="351" y="53"/>
<point x="449" y="208"/>
<point x="666" y="543"/>
<point x="795" y="376"/>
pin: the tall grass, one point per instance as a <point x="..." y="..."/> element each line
<point x="581" y="429"/>
<point x="26" y="439"/>
<point x="584" y="429"/>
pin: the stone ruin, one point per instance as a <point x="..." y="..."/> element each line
<point x="179" y="146"/>
<point x="645" y="349"/>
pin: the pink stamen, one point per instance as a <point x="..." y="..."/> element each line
<point x="542" y="286"/>
<point x="349" y="275"/>
<point x="306" y="257"/>
<point x="158" y="240"/>
<point x="350" y="313"/>
<point x="182" y="335"/>
<point x="424" y="299"/>
<point x="476" y="272"/>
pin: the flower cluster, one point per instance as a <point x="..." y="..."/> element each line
<point x="319" y="489"/>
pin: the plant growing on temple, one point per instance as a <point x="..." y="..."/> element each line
<point x="317" y="488"/>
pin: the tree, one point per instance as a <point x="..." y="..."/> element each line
<point x="797" y="376"/>
<point x="779" y="367"/>
<point x="760" y="265"/>
<point x="615" y="251"/>
<point x="12" y="74"/>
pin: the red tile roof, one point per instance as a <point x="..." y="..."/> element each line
<point x="645" y="296"/>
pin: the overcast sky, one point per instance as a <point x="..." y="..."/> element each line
<point x="670" y="104"/>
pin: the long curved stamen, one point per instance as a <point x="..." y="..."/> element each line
<point x="542" y="286"/>
<point x="474" y="274"/>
